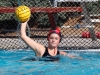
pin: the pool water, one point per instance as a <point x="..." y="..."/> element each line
<point x="24" y="62"/>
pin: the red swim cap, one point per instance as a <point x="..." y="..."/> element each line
<point x="55" y="30"/>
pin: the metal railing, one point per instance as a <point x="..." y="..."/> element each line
<point x="78" y="21"/>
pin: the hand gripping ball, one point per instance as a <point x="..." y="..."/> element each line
<point x="23" y="13"/>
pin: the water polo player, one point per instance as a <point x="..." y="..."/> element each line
<point x="54" y="38"/>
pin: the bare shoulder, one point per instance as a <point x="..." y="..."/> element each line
<point x="63" y="53"/>
<point x="40" y="50"/>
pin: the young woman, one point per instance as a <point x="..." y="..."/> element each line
<point x="54" y="38"/>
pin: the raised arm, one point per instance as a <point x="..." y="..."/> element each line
<point x="38" y="48"/>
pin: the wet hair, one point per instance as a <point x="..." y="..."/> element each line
<point x="54" y="30"/>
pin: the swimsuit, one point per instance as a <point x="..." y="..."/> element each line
<point x="46" y="53"/>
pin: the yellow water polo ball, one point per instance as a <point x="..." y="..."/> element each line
<point x="23" y="13"/>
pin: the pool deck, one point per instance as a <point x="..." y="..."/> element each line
<point x="67" y="43"/>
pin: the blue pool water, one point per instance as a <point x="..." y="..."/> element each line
<point x="24" y="62"/>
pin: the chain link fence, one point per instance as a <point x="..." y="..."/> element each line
<point x="79" y="21"/>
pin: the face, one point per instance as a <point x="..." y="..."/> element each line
<point x="54" y="40"/>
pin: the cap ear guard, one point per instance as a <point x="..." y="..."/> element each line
<point x="48" y="36"/>
<point x="60" y="38"/>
